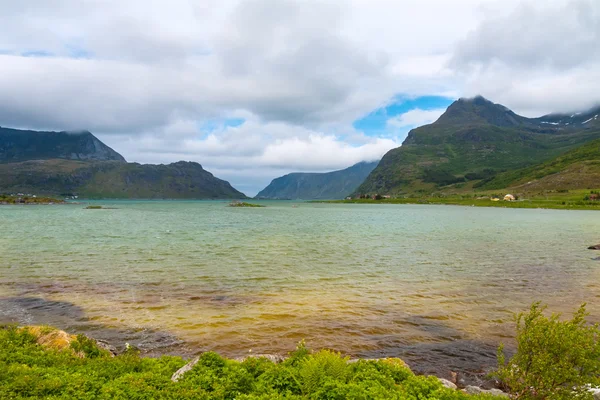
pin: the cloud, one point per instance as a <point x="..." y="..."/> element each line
<point x="536" y="57"/>
<point x="415" y="118"/>
<point x="252" y="154"/>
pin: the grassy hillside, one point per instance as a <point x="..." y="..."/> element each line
<point x="575" y="169"/>
<point x="474" y="140"/>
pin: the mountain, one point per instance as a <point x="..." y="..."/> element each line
<point x="318" y="186"/>
<point x="20" y="145"/>
<point x="475" y="140"/>
<point x="61" y="163"/>
<point x="113" y="179"/>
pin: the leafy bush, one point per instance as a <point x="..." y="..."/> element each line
<point x="555" y="359"/>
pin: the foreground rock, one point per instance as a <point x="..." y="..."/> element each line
<point x="56" y="339"/>
<point x="478" y="390"/>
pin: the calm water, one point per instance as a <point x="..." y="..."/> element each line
<point x="436" y="285"/>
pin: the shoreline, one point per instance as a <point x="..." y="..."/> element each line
<point x="520" y="204"/>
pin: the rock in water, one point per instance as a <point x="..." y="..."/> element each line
<point x="595" y="247"/>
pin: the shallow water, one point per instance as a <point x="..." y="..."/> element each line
<point x="436" y="285"/>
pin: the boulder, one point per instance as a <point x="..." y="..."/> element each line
<point x="447" y="383"/>
<point x="595" y="393"/>
<point x="478" y="390"/>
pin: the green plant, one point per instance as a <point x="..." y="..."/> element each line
<point x="555" y="359"/>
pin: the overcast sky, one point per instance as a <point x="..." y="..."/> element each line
<point x="254" y="89"/>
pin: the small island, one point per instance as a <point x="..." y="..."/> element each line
<point x="243" y="204"/>
<point x="19" y="198"/>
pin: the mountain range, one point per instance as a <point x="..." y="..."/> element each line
<point x="63" y="163"/>
<point x="475" y="145"/>
<point x="318" y="186"/>
<point x="479" y="144"/>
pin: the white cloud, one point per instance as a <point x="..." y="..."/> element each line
<point x="252" y="154"/>
<point x="415" y="118"/>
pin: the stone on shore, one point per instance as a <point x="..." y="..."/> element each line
<point x="478" y="390"/>
<point x="181" y="371"/>
<point x="447" y="383"/>
<point x="274" y="358"/>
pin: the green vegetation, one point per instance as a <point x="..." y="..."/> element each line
<point x="10" y="199"/>
<point x="244" y="204"/>
<point x="555" y="359"/>
<point x="31" y="370"/>
<point x="578" y="168"/>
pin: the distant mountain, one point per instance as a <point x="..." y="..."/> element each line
<point x="475" y="140"/>
<point x="318" y="186"/>
<point x="112" y="179"/>
<point x="21" y="145"/>
<point x="59" y="163"/>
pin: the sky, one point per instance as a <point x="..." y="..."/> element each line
<point x="254" y="89"/>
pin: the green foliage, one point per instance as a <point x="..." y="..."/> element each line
<point x="28" y="371"/>
<point x="86" y="346"/>
<point x="440" y="177"/>
<point x="555" y="359"/>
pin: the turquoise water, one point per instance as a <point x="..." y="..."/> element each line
<point x="434" y="284"/>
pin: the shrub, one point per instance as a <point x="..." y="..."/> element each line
<point x="555" y="359"/>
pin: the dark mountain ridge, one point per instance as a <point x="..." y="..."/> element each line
<point x="318" y="186"/>
<point x="21" y="145"/>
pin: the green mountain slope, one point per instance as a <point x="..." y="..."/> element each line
<point x="112" y="179"/>
<point x="318" y="186"/>
<point x="575" y="169"/>
<point x="474" y="139"/>
<point x="20" y="145"/>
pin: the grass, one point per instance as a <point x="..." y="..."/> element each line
<point x="551" y="199"/>
<point x="33" y="370"/>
